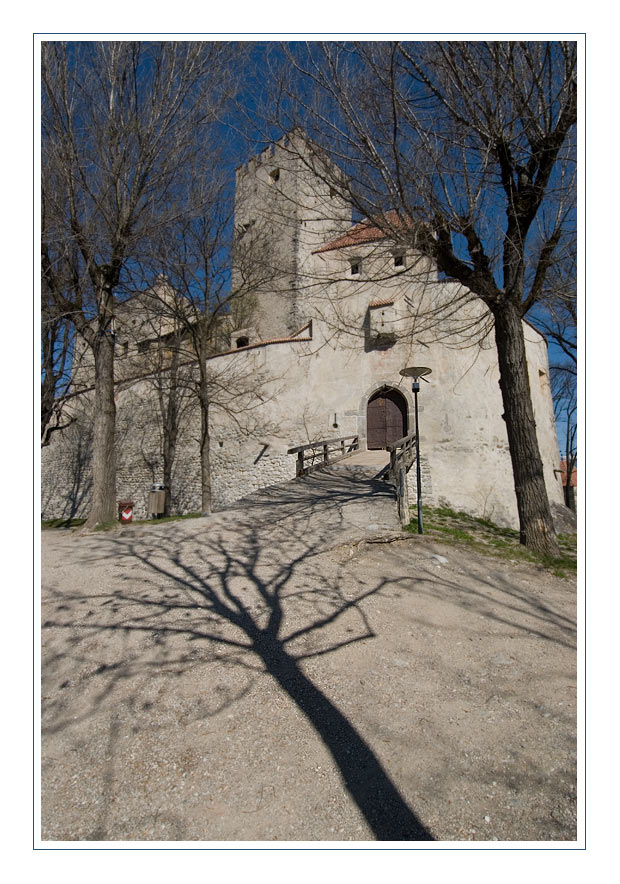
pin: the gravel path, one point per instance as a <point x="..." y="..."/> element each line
<point x="273" y="674"/>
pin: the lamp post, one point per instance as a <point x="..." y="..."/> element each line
<point x="416" y="372"/>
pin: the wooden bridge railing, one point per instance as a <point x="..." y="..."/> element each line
<point x="402" y="454"/>
<point x="322" y="453"/>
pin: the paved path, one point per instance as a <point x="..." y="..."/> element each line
<point x="378" y="459"/>
<point x="245" y="581"/>
<point x="331" y="505"/>
<point x="264" y="675"/>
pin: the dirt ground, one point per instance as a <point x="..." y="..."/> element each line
<point x="269" y="675"/>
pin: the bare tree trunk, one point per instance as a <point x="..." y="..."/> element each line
<point x="104" y="451"/>
<point x="535" y="520"/>
<point x="569" y="491"/>
<point x="170" y="412"/>
<point x="570" y="460"/>
<point x="169" y="453"/>
<point x="205" y="450"/>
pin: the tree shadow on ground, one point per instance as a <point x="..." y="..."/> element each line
<point x="250" y="584"/>
<point x="492" y="594"/>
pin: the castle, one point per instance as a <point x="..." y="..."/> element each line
<point x="339" y="309"/>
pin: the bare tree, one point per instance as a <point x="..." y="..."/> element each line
<point x="58" y="353"/>
<point x="121" y="121"/>
<point x="557" y="319"/>
<point x="57" y="338"/>
<point x="564" y="389"/>
<point x="150" y="350"/>
<point x="556" y="314"/>
<point x="465" y="152"/>
<point x="205" y="305"/>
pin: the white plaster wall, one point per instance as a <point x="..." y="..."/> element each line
<point x="463" y="436"/>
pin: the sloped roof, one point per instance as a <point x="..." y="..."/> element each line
<point x="385" y="302"/>
<point x="294" y="338"/>
<point x="365" y="232"/>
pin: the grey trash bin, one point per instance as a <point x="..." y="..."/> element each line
<point x="157" y="499"/>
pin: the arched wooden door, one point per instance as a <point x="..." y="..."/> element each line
<point x="386" y="418"/>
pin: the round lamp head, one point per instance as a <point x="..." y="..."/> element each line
<point x="416" y="371"/>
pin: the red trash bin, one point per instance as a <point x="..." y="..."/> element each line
<point x="125" y="511"/>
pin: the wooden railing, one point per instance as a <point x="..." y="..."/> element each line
<point x="322" y="453"/>
<point x="402" y="455"/>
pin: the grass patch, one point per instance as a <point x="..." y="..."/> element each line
<point x="456" y="533"/>
<point x="443" y="523"/>
<point x="106" y="526"/>
<point x="61" y="523"/>
<point x="47" y="524"/>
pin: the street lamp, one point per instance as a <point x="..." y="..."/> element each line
<point x="416" y="372"/>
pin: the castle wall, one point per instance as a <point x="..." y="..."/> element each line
<point x="307" y="388"/>
<point x="283" y="211"/>
<point x="464" y="444"/>
<point x="240" y="460"/>
<point x="366" y="327"/>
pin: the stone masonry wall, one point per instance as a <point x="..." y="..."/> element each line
<point x="238" y="465"/>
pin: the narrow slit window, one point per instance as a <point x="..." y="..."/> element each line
<point x="356" y="267"/>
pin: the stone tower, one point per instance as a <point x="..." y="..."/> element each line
<point x="283" y="211"/>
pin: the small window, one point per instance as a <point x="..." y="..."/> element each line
<point x="399" y="259"/>
<point x="143" y="346"/>
<point x="242" y="342"/>
<point x="332" y="192"/>
<point x="274" y="175"/>
<point x="356" y="267"/>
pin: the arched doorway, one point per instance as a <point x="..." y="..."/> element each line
<point x="386" y="418"/>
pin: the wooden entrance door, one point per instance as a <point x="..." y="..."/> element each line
<point x="386" y="419"/>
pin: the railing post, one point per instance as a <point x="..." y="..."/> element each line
<point x="340" y="449"/>
<point x="403" y="497"/>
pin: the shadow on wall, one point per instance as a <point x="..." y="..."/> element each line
<point x="66" y="491"/>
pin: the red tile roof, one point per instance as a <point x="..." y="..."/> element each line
<point x="384" y="303"/>
<point x="573" y="476"/>
<point x="365" y="232"/>
<point x="293" y="338"/>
